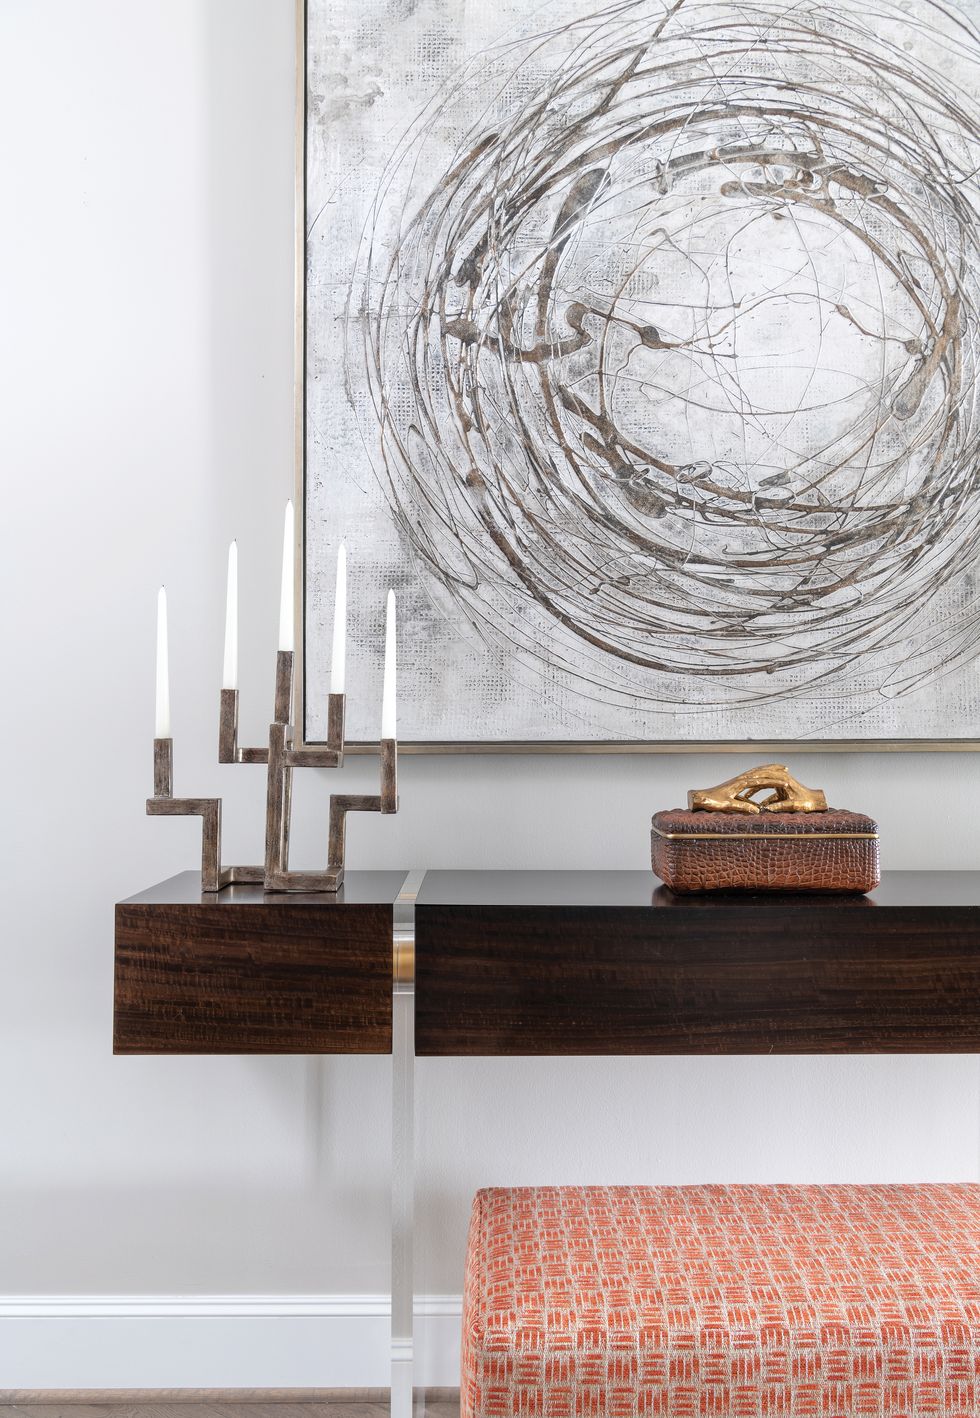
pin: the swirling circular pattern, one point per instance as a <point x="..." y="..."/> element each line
<point x="678" y="356"/>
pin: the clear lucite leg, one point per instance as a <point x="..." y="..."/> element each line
<point x="403" y="1154"/>
<point x="402" y="1202"/>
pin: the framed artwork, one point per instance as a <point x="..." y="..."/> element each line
<point x="640" y="347"/>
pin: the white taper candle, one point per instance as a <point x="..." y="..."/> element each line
<point x="339" y="657"/>
<point x="229" y="676"/>
<point x="287" y="632"/>
<point x="388" y="714"/>
<point x="162" y="730"/>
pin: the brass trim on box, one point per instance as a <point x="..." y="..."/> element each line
<point x="765" y="836"/>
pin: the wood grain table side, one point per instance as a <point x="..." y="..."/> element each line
<point x="248" y="973"/>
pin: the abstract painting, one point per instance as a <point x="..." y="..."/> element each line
<point x="641" y="347"/>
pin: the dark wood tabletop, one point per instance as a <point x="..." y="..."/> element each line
<point x="617" y="889"/>
<point x="360" y="888"/>
<point x="611" y="962"/>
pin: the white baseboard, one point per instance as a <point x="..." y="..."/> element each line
<point x="218" y="1341"/>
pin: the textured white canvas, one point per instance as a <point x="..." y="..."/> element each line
<point x="641" y="361"/>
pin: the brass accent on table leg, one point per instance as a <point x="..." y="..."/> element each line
<point x="403" y="959"/>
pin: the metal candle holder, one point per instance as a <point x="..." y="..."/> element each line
<point x="280" y="758"/>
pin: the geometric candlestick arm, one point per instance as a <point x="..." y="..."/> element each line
<point x="164" y="804"/>
<point x="280" y="759"/>
<point x="283" y="759"/>
<point x="279" y="877"/>
<point x="228" y="750"/>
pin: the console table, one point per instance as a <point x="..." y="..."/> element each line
<point x="534" y="963"/>
<point x="539" y="962"/>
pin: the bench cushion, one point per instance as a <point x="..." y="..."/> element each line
<point x="723" y="1302"/>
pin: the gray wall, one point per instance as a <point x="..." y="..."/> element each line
<point x="147" y="388"/>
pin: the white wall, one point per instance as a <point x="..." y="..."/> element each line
<point x="146" y="362"/>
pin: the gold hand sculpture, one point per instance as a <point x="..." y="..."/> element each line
<point x="736" y="795"/>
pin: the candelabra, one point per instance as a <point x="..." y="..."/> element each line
<point x="280" y="759"/>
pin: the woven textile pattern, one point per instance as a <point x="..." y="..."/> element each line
<point x="723" y="1302"/>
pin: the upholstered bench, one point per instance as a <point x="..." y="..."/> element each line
<point x="723" y="1302"/>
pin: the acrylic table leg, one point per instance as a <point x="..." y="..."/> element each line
<point x="403" y="1155"/>
<point x="402" y="1203"/>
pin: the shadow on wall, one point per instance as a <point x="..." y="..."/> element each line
<point x="196" y="1238"/>
<point x="250" y="133"/>
<point x="680" y="1121"/>
<point x="593" y="811"/>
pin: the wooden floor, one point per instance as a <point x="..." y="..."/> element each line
<point x="353" y="1405"/>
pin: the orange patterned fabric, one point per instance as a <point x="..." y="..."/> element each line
<point x="723" y="1302"/>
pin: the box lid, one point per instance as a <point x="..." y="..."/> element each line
<point x="682" y="823"/>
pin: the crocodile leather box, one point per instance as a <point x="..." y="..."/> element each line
<point x="770" y="851"/>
